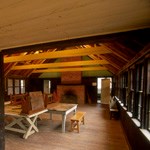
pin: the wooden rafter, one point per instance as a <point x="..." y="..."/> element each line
<point x="70" y="69"/>
<point x="113" y="63"/>
<point x="119" y="51"/>
<point x="144" y="52"/>
<point x="61" y="64"/>
<point x="8" y="68"/>
<point x="57" y="54"/>
<point x="108" y="66"/>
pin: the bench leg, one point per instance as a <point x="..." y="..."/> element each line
<point x="78" y="128"/>
<point x="75" y="125"/>
<point x="72" y="122"/>
<point x="82" y="120"/>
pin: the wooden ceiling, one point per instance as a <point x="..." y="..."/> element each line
<point x="109" y="52"/>
<point x="34" y="36"/>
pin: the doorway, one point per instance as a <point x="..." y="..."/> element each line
<point x="99" y="87"/>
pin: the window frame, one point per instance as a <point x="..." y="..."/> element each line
<point x="15" y="86"/>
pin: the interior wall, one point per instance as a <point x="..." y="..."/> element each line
<point x="135" y="137"/>
<point x="90" y="89"/>
<point x="36" y="84"/>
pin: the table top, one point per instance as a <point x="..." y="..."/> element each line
<point x="16" y="110"/>
<point x="60" y="106"/>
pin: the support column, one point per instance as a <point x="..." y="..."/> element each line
<point x="2" y="125"/>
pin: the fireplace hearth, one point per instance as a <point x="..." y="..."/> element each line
<point x="71" y="93"/>
<point x="69" y="97"/>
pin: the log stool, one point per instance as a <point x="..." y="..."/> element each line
<point x="76" y="120"/>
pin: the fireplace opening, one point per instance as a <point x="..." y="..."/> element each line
<point x="69" y="96"/>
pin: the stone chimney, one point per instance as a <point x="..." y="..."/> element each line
<point x="71" y="77"/>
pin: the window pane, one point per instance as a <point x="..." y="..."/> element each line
<point x="16" y="82"/>
<point x="22" y="82"/>
<point x="10" y="82"/>
<point x="22" y="90"/>
<point x="10" y="91"/>
<point x="16" y="90"/>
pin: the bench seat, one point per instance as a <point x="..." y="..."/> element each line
<point x="76" y="120"/>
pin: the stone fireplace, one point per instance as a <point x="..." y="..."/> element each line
<point x="71" y="93"/>
<point x="71" y="90"/>
<point x="69" y="97"/>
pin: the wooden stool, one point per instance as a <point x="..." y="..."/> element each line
<point x="76" y="120"/>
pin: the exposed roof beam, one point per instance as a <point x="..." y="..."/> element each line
<point x="116" y="52"/>
<point x="138" y="56"/>
<point x="108" y="66"/>
<point x="58" y="54"/>
<point x="61" y="64"/>
<point x="70" y="69"/>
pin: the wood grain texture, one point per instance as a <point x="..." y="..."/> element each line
<point x="98" y="133"/>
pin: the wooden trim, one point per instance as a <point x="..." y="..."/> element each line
<point x="2" y="87"/>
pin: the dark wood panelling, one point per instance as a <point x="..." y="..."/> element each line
<point x="135" y="137"/>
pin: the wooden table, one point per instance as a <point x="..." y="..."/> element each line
<point x="22" y="123"/>
<point x="63" y="109"/>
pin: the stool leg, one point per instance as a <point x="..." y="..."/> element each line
<point x="72" y="125"/>
<point x="78" y="127"/>
<point x="83" y="120"/>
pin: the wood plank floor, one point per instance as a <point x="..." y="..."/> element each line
<point x="98" y="133"/>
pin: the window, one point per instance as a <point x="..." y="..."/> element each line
<point x="139" y="90"/>
<point x="132" y="90"/>
<point x="16" y="86"/>
<point x="148" y="97"/>
<point x="22" y="85"/>
<point x="10" y="86"/>
<point x="135" y="91"/>
<point x="124" y="88"/>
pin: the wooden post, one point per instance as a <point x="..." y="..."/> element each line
<point x="2" y="126"/>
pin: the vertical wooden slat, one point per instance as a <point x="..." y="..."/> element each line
<point x="2" y="126"/>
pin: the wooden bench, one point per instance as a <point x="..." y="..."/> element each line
<point x="76" y="120"/>
<point x="17" y="99"/>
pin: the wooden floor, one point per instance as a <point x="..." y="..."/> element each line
<point x="98" y="133"/>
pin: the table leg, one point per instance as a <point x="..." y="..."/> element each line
<point x="74" y="111"/>
<point x="17" y="121"/>
<point x="63" y="122"/>
<point x="32" y="127"/>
